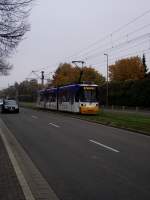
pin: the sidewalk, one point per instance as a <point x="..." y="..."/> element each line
<point x="10" y="188"/>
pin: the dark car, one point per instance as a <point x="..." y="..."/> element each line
<point x="10" y="106"/>
<point x="1" y="104"/>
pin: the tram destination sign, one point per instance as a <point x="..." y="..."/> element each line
<point x="89" y="88"/>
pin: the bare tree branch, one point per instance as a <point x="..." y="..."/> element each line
<point x="13" y="24"/>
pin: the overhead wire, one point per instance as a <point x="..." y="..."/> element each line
<point x="112" y="33"/>
<point x="119" y="45"/>
<point x="113" y="59"/>
<point x="116" y="40"/>
<point x="127" y="49"/>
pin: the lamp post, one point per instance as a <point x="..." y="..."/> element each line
<point x="105" y="54"/>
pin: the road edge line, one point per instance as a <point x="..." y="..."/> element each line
<point x="23" y="183"/>
<point x="38" y="185"/>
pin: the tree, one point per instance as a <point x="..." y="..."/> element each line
<point x="90" y="74"/>
<point x="67" y="74"/>
<point x="13" y="25"/>
<point x="148" y="75"/>
<point x="127" y="69"/>
<point x="4" y="67"/>
<point x="144" y="65"/>
<point x="24" y="91"/>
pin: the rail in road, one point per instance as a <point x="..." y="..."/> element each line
<point x="82" y="160"/>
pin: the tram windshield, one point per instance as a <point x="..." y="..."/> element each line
<point x="88" y="94"/>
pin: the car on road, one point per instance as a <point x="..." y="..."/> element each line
<point x="10" y="106"/>
<point x="1" y="104"/>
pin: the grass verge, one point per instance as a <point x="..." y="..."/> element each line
<point x="130" y="121"/>
<point x="27" y="104"/>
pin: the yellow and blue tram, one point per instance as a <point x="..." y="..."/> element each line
<point x="77" y="98"/>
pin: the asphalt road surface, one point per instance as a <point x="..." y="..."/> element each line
<point x="83" y="160"/>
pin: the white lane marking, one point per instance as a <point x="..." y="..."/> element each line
<point x="54" y="125"/>
<point x="34" y="117"/>
<point x="102" y="145"/>
<point x="24" y="185"/>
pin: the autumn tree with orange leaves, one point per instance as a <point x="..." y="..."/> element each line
<point x="67" y="74"/>
<point x="127" y="69"/>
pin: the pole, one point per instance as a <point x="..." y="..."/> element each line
<point x="42" y="78"/>
<point x="107" y="89"/>
<point x="81" y="71"/>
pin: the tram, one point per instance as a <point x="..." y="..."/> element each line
<point x="76" y="98"/>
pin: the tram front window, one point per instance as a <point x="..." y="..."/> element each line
<point x="88" y="94"/>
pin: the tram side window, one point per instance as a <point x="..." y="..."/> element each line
<point x="52" y="97"/>
<point x="41" y="97"/>
<point x="77" y="96"/>
<point x="71" y="97"/>
<point x="62" y="96"/>
<point x="49" y="98"/>
<point x="65" y="96"/>
<point x="46" y="97"/>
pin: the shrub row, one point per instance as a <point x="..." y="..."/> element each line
<point x="127" y="93"/>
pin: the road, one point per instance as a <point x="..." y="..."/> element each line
<point x="83" y="160"/>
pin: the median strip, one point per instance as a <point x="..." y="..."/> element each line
<point x="102" y="145"/>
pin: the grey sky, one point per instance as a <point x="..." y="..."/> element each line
<point x="61" y="28"/>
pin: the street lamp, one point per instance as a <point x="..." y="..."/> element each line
<point x="105" y="54"/>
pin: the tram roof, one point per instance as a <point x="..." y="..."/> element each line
<point x="51" y="90"/>
<point x="48" y="90"/>
<point x="71" y="86"/>
<point x="79" y="85"/>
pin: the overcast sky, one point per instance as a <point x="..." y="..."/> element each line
<point x="62" y="28"/>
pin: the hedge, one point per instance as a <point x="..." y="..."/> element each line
<point x="127" y="93"/>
